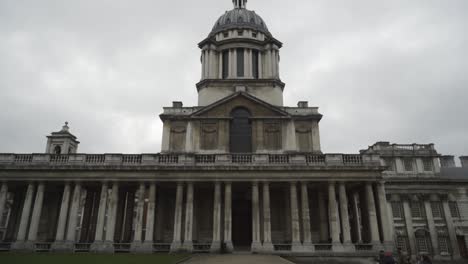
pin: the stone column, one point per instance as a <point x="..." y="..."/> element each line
<point x="372" y="213"/>
<point x="384" y="217"/>
<point x="108" y="245"/>
<point x="256" y="243"/>
<point x="268" y="64"/>
<point x="189" y="138"/>
<point x="3" y="197"/>
<point x="20" y="245"/>
<point x="291" y="136"/>
<point x="177" y="241"/>
<point x="432" y="229"/>
<point x="73" y="219"/>
<point x="138" y="235"/>
<point x="295" y="226"/>
<point x="334" y="220"/>
<point x="260" y="65"/>
<point x="216" y="241"/>
<point x="322" y="206"/>
<point x="188" y="240"/>
<point x="267" y="244"/>
<point x="357" y="217"/>
<point x="36" y="214"/>
<point x="306" y="218"/>
<point x="409" y="228"/>
<point x="228" y="217"/>
<point x="451" y="230"/>
<point x="60" y="236"/>
<point x="147" y="246"/>
<point x="99" y="236"/>
<point x="345" y="226"/>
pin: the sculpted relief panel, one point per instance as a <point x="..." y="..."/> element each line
<point x="272" y="135"/>
<point x="209" y="135"/>
<point x="178" y="135"/>
<point x="304" y="136"/>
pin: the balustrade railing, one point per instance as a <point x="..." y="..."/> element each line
<point x="282" y="247"/>
<point x="4" y="246"/>
<point x="42" y="247"/>
<point x="82" y="247"/>
<point x="161" y="247"/>
<point x="191" y="159"/>
<point x="201" y="248"/>
<point x="122" y="247"/>
<point x="323" y="247"/>
<point x="364" y="247"/>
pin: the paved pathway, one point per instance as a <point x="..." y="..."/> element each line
<point x="236" y="259"/>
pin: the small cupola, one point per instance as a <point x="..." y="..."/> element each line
<point x="62" y="142"/>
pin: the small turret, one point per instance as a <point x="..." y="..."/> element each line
<point x="62" y="142"/>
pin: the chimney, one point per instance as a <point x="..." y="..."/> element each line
<point x="447" y="161"/>
<point x="303" y="104"/>
<point x="464" y="161"/>
<point x="177" y="104"/>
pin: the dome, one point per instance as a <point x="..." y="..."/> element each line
<point x="240" y="18"/>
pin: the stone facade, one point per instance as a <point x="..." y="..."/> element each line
<point x="238" y="172"/>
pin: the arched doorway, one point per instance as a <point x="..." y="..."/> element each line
<point x="240" y="133"/>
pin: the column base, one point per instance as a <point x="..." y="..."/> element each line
<point x="141" y="247"/>
<point x="308" y="247"/>
<point x="348" y="247"/>
<point x="268" y="247"/>
<point x="23" y="246"/>
<point x="176" y="246"/>
<point x="337" y="247"/>
<point x="187" y="246"/>
<point x="63" y="247"/>
<point x="102" y="247"/>
<point x="297" y="247"/>
<point x="228" y="247"/>
<point x="256" y="247"/>
<point x="215" y="247"/>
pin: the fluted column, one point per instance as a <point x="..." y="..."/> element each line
<point x="372" y="213"/>
<point x="36" y="214"/>
<point x="256" y="243"/>
<point x="138" y="235"/>
<point x="384" y="217"/>
<point x="177" y="240"/>
<point x="344" y="215"/>
<point x="228" y="217"/>
<point x="3" y="197"/>
<point x="409" y="228"/>
<point x="451" y="230"/>
<point x="295" y="226"/>
<point x="149" y="235"/>
<point x="99" y="235"/>
<point x="111" y="217"/>
<point x="307" y="243"/>
<point x="73" y="219"/>
<point x="333" y="217"/>
<point x="432" y="228"/>
<point x="356" y="217"/>
<point x="188" y="231"/>
<point x="216" y="241"/>
<point x="26" y="213"/>
<point x="322" y="206"/>
<point x="267" y="244"/>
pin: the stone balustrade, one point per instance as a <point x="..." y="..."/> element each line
<point x="319" y="160"/>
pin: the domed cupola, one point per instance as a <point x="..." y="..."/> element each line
<point x="240" y="53"/>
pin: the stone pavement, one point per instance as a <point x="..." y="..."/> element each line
<point x="236" y="259"/>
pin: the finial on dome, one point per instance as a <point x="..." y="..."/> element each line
<point x="240" y="3"/>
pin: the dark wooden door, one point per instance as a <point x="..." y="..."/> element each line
<point x="240" y="132"/>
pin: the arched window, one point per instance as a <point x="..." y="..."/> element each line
<point x="240" y="133"/>
<point x="57" y="150"/>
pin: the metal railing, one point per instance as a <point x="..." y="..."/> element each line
<point x="82" y="247"/>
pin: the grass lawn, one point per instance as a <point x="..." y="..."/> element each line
<point x="8" y="258"/>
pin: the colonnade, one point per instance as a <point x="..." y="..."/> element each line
<point x="340" y="213"/>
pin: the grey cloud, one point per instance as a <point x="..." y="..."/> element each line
<point x="378" y="70"/>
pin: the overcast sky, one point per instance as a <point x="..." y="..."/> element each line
<point x="379" y="70"/>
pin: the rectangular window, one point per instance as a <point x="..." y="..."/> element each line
<point x="436" y="209"/>
<point x="416" y="210"/>
<point x="422" y="245"/>
<point x="240" y="62"/>
<point x="396" y="209"/>
<point x="225" y="64"/>
<point x="428" y="164"/>
<point x="390" y="163"/>
<point x="401" y="242"/>
<point x="444" y="245"/>
<point x="255" y="70"/>
<point x="454" y="209"/>
<point x="408" y="164"/>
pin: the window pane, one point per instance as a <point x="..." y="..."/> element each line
<point x="408" y="164"/>
<point x="454" y="209"/>
<point x="225" y="64"/>
<point x="427" y="163"/>
<point x="240" y="62"/>
<point x="255" y="64"/>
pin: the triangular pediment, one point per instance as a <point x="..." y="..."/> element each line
<point x="224" y="107"/>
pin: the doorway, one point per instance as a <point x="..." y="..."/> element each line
<point x="241" y="219"/>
